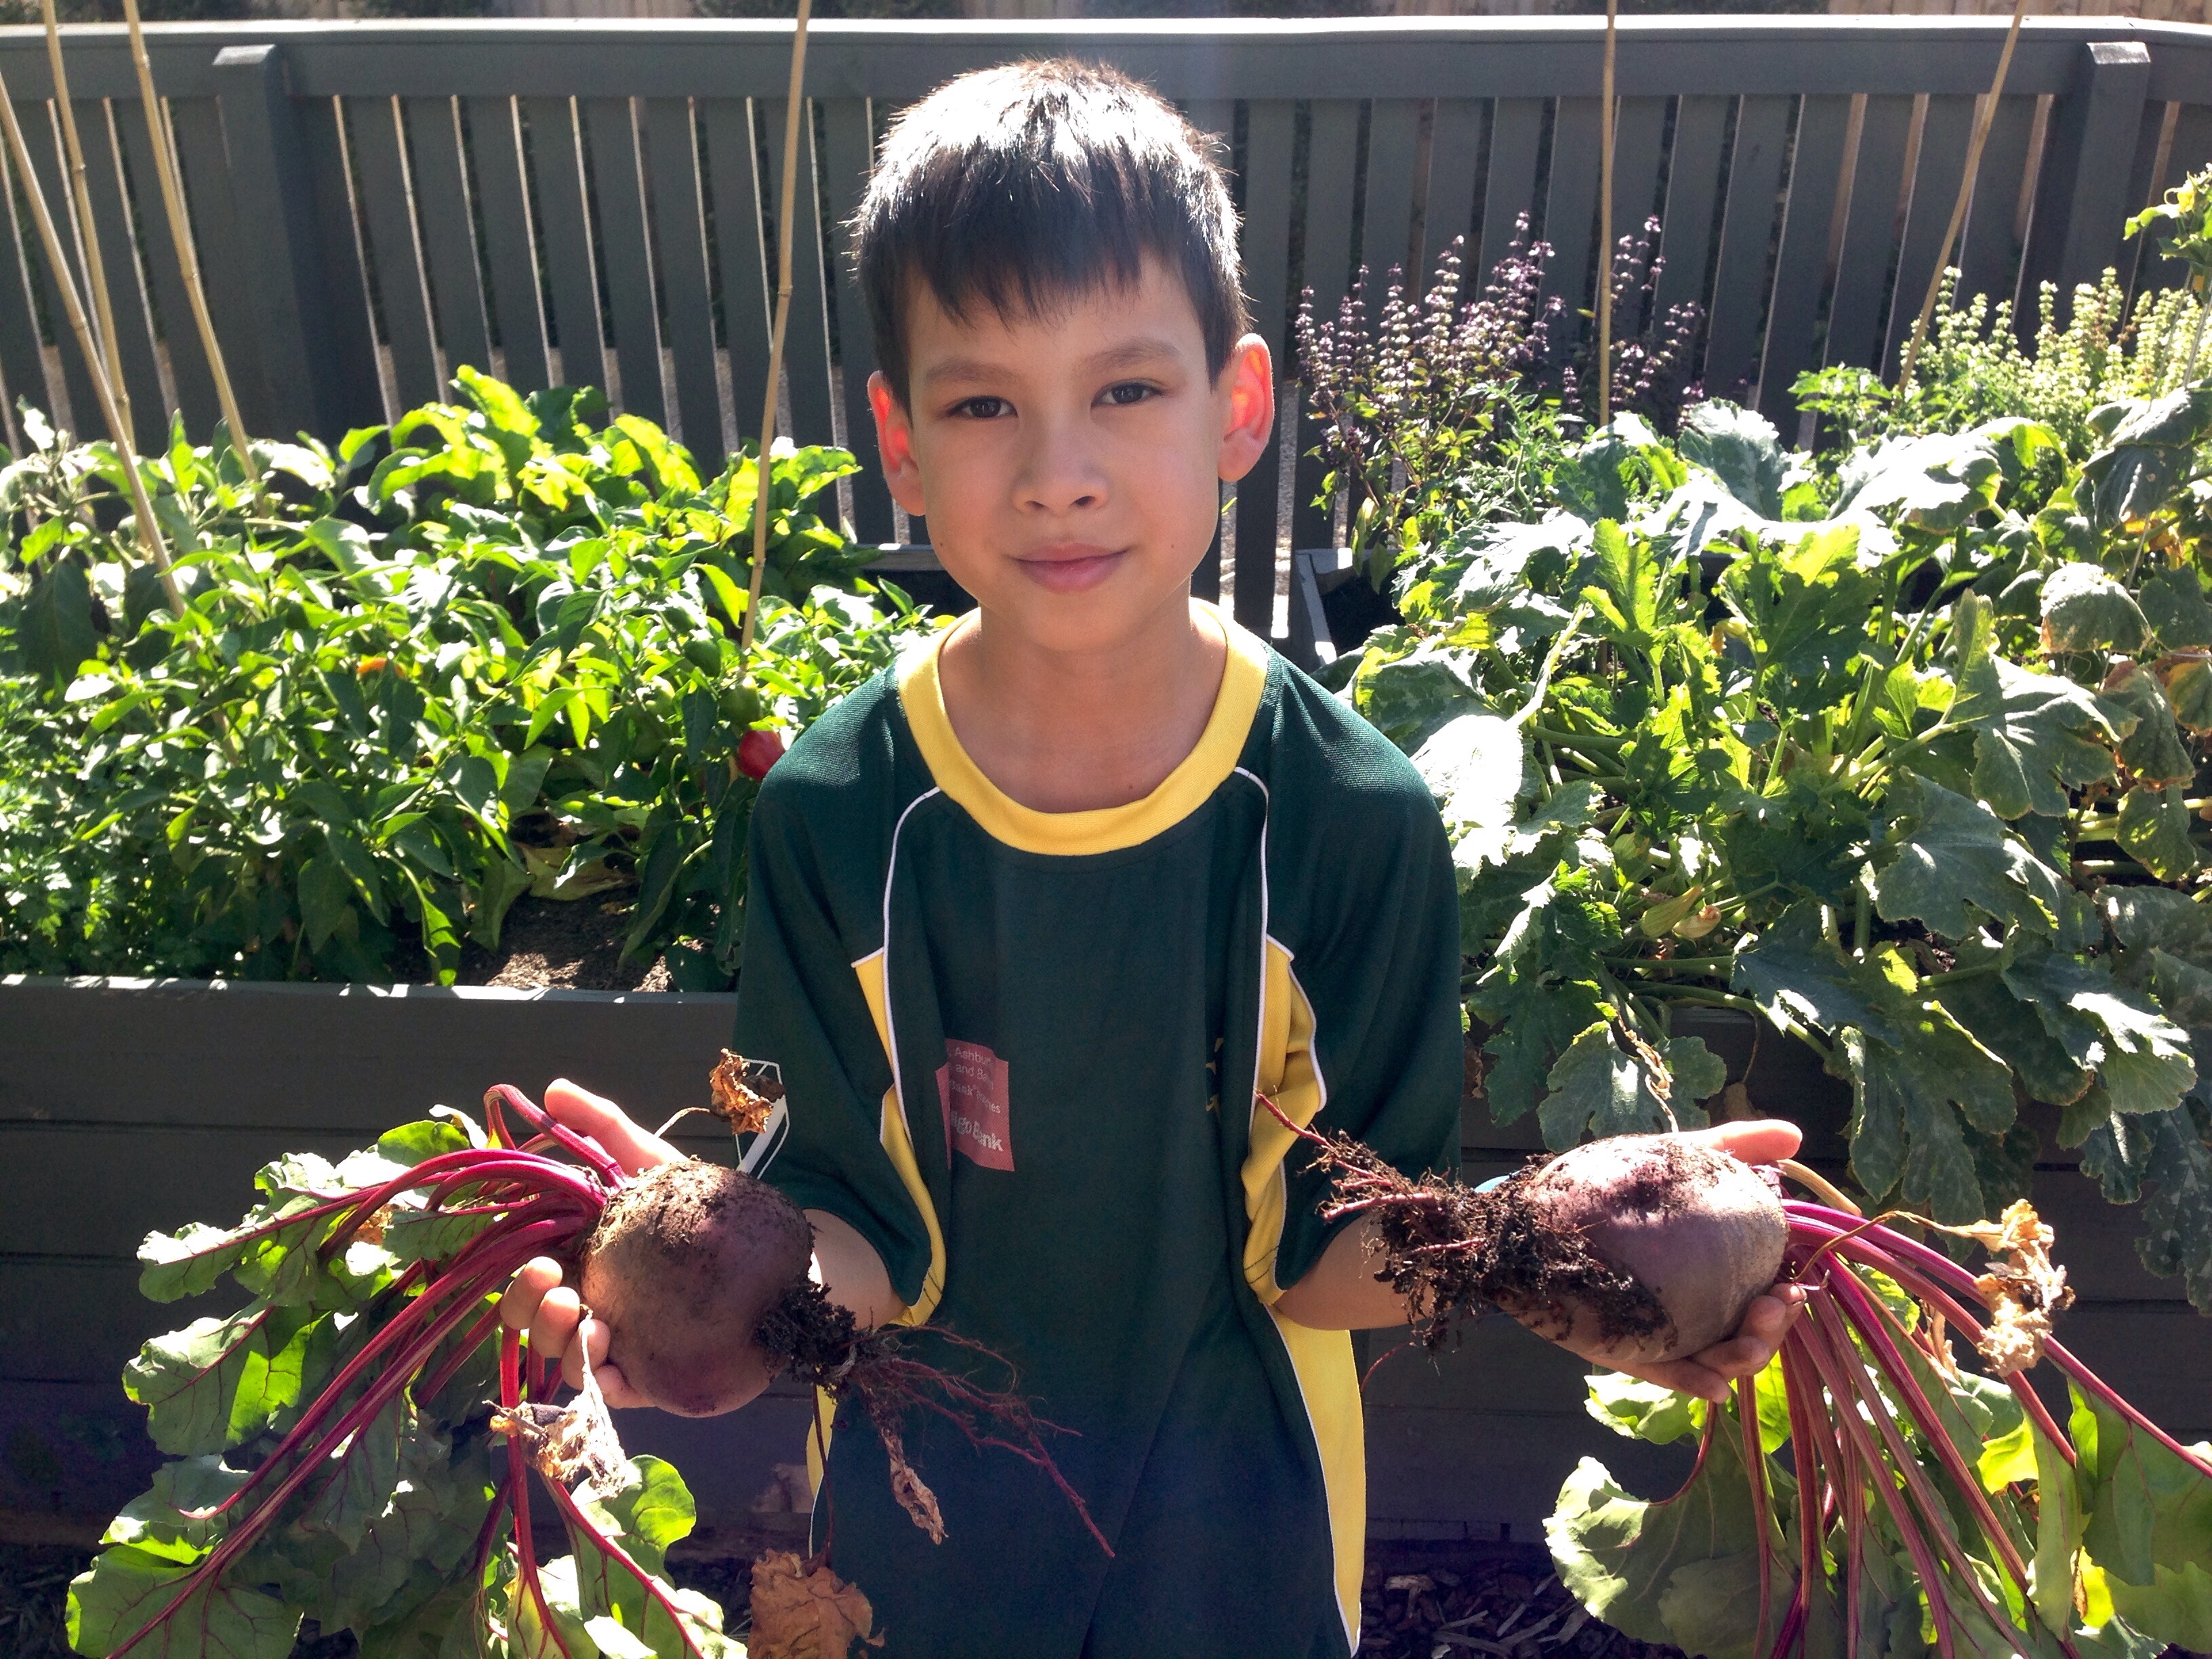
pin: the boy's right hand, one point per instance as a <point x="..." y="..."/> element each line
<point x="536" y="1300"/>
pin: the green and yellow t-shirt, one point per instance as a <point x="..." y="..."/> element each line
<point x="1020" y="1051"/>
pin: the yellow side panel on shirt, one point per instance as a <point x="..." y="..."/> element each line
<point x="900" y="1144"/>
<point x="1327" y="1378"/>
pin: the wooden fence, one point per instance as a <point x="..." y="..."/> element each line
<point x="584" y="202"/>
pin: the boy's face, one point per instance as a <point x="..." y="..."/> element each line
<point x="1069" y="463"/>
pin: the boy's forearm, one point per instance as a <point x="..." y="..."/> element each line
<point x="1339" y="1292"/>
<point x="850" y="1272"/>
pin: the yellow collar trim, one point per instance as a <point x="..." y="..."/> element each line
<point x="1108" y="828"/>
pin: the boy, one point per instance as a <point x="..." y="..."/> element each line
<point x="1034" y="915"/>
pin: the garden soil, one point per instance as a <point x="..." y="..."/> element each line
<point x="571" y="944"/>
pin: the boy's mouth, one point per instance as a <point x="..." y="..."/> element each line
<point x="1069" y="567"/>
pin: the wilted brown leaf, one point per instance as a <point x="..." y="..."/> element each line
<point x="798" y="1614"/>
<point x="745" y="1108"/>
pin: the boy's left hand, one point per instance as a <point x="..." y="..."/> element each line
<point x="1711" y="1373"/>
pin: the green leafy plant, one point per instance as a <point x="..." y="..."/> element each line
<point x="1976" y="368"/>
<point x="330" y="1442"/>
<point x="489" y="652"/>
<point x="1899" y="756"/>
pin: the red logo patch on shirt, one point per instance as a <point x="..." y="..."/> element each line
<point x="971" y="1087"/>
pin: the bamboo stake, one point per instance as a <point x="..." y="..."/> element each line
<point x="88" y="234"/>
<point x="149" y="532"/>
<point x="785" y="214"/>
<point x="1965" y="195"/>
<point x="188" y="258"/>
<point x="1604" y="224"/>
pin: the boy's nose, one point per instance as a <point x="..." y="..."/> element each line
<point x="1059" y="473"/>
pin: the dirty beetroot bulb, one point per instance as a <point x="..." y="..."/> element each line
<point x="356" y="1384"/>
<point x="1947" y="1508"/>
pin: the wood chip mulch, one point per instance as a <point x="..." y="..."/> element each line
<point x="1445" y="1601"/>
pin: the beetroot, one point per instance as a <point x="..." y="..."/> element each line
<point x="686" y="1260"/>
<point x="1702" y="1231"/>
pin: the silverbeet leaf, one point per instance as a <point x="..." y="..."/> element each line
<point x="126" y="1586"/>
<point x="1676" y="1570"/>
<point x="2149" y="1525"/>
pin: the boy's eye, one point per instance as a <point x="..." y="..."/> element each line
<point x="1129" y="391"/>
<point x="981" y="409"/>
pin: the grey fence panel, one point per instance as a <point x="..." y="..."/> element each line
<point x="357" y="396"/>
<point x="1945" y="132"/>
<point x="1693" y="181"/>
<point x="1571" y="208"/>
<point x="510" y="245"/>
<point x="1454" y="155"/>
<point x="1386" y="240"/>
<point x="1271" y="132"/>
<point x="44" y="142"/>
<point x="196" y="126"/>
<point x="2093" y="127"/>
<point x="557" y="161"/>
<point x="1332" y="157"/>
<point x="733" y="173"/>
<point x="611" y="125"/>
<point x="302" y="179"/>
<point x="849" y="153"/>
<point x="111" y="219"/>
<point x="1762" y="142"/>
<point x="278" y="224"/>
<point x="22" y="359"/>
<point x="1800" y="265"/>
<point x="1869" y="233"/>
<point x="680" y="226"/>
<point x="380" y="154"/>
<point x="1638" y="149"/>
<point x="806" y="337"/>
<point x="1516" y="134"/>
<point x="1988" y="253"/>
<point x="449" y="237"/>
<point x="1217" y="119"/>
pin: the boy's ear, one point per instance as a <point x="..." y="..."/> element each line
<point x="895" y="443"/>
<point x="1248" y="416"/>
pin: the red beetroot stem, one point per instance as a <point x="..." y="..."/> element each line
<point x="517" y="1475"/>
<point x="357" y="1417"/>
<point x="1820" y="1345"/>
<point x="1755" y="1467"/>
<point x="590" y="1152"/>
<point x="1938" y="1524"/>
<point x="456" y="1278"/>
<point x="1913" y="1265"/>
<point x="1871" y="1320"/>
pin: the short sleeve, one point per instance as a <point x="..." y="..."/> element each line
<point x="801" y="1004"/>
<point x="1378" y="976"/>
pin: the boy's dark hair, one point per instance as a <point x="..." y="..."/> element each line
<point x="1030" y="183"/>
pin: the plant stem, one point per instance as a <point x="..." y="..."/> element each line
<point x="764" y="497"/>
<point x="88" y="233"/>
<point x="64" y="282"/>
<point x="188" y="258"/>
